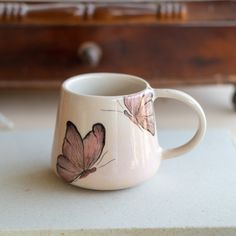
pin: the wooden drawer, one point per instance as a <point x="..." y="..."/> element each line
<point x="43" y="56"/>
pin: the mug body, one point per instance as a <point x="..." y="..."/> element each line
<point x="105" y="136"/>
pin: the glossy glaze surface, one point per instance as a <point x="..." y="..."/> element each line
<point x="123" y="105"/>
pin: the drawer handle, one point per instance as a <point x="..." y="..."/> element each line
<point x="90" y="53"/>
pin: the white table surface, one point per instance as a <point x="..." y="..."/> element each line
<point x="191" y="195"/>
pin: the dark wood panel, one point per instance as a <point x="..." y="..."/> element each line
<point x="163" y="55"/>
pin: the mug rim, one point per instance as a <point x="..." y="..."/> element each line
<point x="67" y="82"/>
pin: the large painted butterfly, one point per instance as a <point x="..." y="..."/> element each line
<point x="79" y="156"/>
<point x="140" y="110"/>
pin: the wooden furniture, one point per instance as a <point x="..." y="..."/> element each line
<point x="168" y="43"/>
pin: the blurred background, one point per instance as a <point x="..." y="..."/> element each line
<point x="187" y="45"/>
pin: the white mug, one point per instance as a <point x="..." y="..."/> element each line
<point x="106" y="137"/>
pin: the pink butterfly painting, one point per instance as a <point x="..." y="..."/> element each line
<point x="79" y="156"/>
<point x="140" y="110"/>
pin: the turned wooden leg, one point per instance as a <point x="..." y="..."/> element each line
<point x="234" y="97"/>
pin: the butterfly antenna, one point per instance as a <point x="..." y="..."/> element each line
<point x="102" y="157"/>
<point x="115" y="110"/>
<point x="111" y="110"/>
<point x="106" y="163"/>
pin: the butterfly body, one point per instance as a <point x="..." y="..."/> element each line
<point x="85" y="173"/>
<point x="80" y="155"/>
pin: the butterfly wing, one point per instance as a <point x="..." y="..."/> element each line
<point x="66" y="169"/>
<point x="145" y="116"/>
<point x="94" y="143"/>
<point x="70" y="165"/>
<point x="132" y="103"/>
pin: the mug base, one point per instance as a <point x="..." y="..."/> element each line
<point x="113" y="187"/>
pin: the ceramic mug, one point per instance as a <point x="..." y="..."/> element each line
<point x="106" y="137"/>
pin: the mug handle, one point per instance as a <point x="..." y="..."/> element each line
<point x="187" y="99"/>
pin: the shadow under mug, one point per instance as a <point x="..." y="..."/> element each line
<point x="106" y="137"/>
